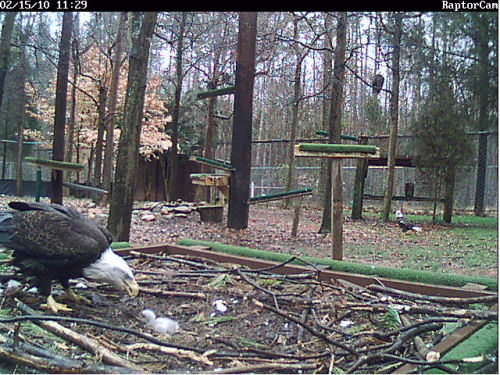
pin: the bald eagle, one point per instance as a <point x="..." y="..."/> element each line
<point x="406" y="224"/>
<point x="57" y="243"/>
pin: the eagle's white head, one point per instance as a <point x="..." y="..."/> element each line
<point x="113" y="269"/>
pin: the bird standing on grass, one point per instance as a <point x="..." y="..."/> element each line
<point x="53" y="242"/>
<point x="405" y="224"/>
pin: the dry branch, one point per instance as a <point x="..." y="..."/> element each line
<point x="307" y="327"/>
<point x="31" y="356"/>
<point x="434" y="299"/>
<point x="202" y="358"/>
<point x="269" y="367"/>
<point x="82" y="341"/>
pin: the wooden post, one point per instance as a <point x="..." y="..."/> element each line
<point x="241" y="144"/>
<point x="336" y="152"/>
<point x="337" y="209"/>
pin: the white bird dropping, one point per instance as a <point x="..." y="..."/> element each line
<point x="161" y="325"/>
<point x="220" y="306"/>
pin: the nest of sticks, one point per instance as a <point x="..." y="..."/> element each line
<point x="238" y="320"/>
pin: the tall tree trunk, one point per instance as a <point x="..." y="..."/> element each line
<point x="337" y="93"/>
<point x="60" y="106"/>
<point x="21" y="108"/>
<point x="391" y="155"/>
<point x="107" y="169"/>
<point x="449" y="186"/>
<point x="172" y="188"/>
<point x="291" y="178"/>
<point x="122" y="199"/>
<point x="241" y="145"/>
<point x="7" y="27"/>
<point x="100" y="140"/>
<point x="325" y="190"/>
<point x="70" y="142"/>
<point x="483" y="91"/>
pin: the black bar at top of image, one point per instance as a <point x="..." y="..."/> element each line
<point x="145" y="6"/>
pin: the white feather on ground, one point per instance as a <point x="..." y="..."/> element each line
<point x="161" y="325"/>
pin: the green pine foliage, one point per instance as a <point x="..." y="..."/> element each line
<point x="440" y="128"/>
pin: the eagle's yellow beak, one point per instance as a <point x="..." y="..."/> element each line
<point x="132" y="288"/>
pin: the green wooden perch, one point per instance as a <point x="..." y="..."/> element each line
<point x="217" y="92"/>
<point x="342" y="136"/>
<point x="54" y="164"/>
<point x="336" y="150"/>
<point x="220" y="164"/>
<point x="282" y="195"/>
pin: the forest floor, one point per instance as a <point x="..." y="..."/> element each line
<point x="468" y="249"/>
<point x="268" y="323"/>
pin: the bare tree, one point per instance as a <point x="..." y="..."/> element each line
<point x="112" y="99"/>
<point x="122" y="198"/>
<point x="394" y="113"/>
<point x="172" y="188"/>
<point x="60" y="107"/>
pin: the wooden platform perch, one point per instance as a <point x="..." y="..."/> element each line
<point x="217" y="92"/>
<point x="54" y="164"/>
<point x="333" y="150"/>
<point x="207" y="179"/>
<point x="219" y="164"/>
<point x="346" y="137"/>
<point x="220" y="181"/>
<point x="282" y="195"/>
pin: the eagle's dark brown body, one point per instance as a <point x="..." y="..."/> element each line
<point x="52" y="242"/>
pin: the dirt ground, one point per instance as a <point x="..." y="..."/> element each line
<point x="269" y="229"/>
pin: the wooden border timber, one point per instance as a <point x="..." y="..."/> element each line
<point x="325" y="275"/>
<point x="450" y="341"/>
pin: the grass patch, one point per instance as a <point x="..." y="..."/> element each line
<point x="470" y="243"/>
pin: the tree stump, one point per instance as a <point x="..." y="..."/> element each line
<point x="211" y="214"/>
